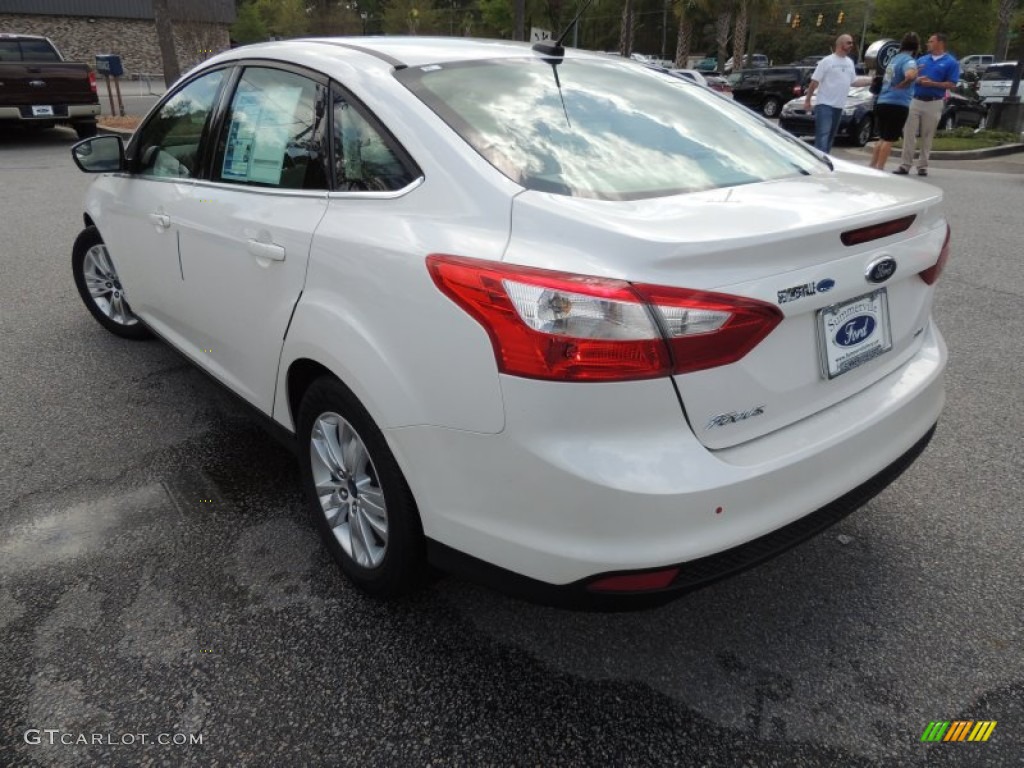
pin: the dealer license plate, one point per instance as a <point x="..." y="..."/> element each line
<point x="853" y="332"/>
<point x="42" y="111"/>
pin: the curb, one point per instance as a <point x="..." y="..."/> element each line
<point x="124" y="133"/>
<point x="978" y="154"/>
<point x="961" y="154"/>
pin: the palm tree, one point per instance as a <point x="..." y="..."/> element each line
<point x="690" y="13"/>
<point x="1005" y="16"/>
<point x="627" y="30"/>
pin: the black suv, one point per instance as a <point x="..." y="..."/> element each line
<point x="768" y="88"/>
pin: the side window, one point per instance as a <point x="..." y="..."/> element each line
<point x="273" y="132"/>
<point x="169" y="143"/>
<point x="38" y="50"/>
<point x="365" y="160"/>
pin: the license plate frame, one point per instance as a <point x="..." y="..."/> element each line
<point x="865" y="316"/>
<point x="42" y="110"/>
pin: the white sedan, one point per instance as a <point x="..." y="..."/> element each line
<point x="580" y="329"/>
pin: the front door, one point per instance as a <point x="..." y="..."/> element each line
<point x="141" y="220"/>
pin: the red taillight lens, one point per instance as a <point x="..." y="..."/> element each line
<point x="559" y="326"/>
<point x="931" y="274"/>
<point x="92" y="81"/>
<point x="798" y="90"/>
<point x="706" y="330"/>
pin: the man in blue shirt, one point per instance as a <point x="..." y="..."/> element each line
<point x="937" y="72"/>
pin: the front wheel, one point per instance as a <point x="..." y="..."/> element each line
<point x="771" y="107"/>
<point x="361" y="503"/>
<point x="100" y="287"/>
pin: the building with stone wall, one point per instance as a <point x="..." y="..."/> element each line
<point x="83" y="28"/>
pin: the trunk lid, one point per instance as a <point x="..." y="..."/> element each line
<point x="778" y="242"/>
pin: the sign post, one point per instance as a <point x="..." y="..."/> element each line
<point x="109" y="65"/>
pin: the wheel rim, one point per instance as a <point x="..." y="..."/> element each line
<point x="350" y="495"/>
<point x="865" y="134"/>
<point x="105" y="287"/>
<point x="770" y="108"/>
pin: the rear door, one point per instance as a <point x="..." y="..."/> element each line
<point x="747" y="87"/>
<point x="246" y="232"/>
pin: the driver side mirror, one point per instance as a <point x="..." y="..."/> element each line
<point x="101" y="154"/>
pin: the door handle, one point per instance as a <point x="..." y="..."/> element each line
<point x="265" y="250"/>
<point x="162" y="221"/>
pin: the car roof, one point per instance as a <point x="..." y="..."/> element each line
<point x="19" y="36"/>
<point x="400" y="52"/>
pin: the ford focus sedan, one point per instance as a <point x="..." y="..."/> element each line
<point x="581" y="330"/>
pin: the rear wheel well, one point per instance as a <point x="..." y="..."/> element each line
<point x="301" y="375"/>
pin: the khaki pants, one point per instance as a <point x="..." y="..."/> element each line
<point x="923" y="118"/>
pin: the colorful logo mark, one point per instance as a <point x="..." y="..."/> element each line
<point x="958" y="730"/>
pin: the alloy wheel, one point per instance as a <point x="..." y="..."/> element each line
<point x="105" y="287"/>
<point x="348" y="490"/>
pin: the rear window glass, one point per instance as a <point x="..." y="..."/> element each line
<point x="604" y="130"/>
<point x="999" y="72"/>
<point x="27" y="50"/>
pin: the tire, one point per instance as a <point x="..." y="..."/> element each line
<point x="100" y="288"/>
<point x="771" y="107"/>
<point x="86" y="129"/>
<point x="863" y="133"/>
<point x="359" y="499"/>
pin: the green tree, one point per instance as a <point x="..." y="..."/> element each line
<point x="248" y="26"/>
<point x="969" y="24"/>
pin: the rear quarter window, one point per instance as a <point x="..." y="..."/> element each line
<point x="999" y="72"/>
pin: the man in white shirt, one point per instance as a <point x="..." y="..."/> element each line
<point x="831" y="80"/>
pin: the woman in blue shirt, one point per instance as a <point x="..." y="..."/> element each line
<point x="893" y="104"/>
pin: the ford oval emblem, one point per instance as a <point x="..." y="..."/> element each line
<point x="825" y="285"/>
<point x="855" y="330"/>
<point x="881" y="269"/>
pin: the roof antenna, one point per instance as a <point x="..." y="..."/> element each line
<point x="556" y="49"/>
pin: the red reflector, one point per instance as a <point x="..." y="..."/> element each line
<point x="931" y="274"/>
<point x="876" y="231"/>
<point x="635" y="582"/>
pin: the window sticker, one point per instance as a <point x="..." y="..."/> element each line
<point x="261" y="124"/>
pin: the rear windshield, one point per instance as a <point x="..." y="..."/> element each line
<point x="999" y="72"/>
<point x="27" y="50"/>
<point x="605" y="130"/>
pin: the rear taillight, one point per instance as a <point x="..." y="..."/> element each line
<point x="559" y="326"/>
<point x="798" y="90"/>
<point x="92" y="81"/>
<point x="931" y="274"/>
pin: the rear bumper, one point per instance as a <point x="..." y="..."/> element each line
<point x="593" y="479"/>
<point x="693" y="574"/>
<point x="60" y="112"/>
<point x="804" y="126"/>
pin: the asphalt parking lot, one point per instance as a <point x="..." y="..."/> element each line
<point x="160" y="580"/>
